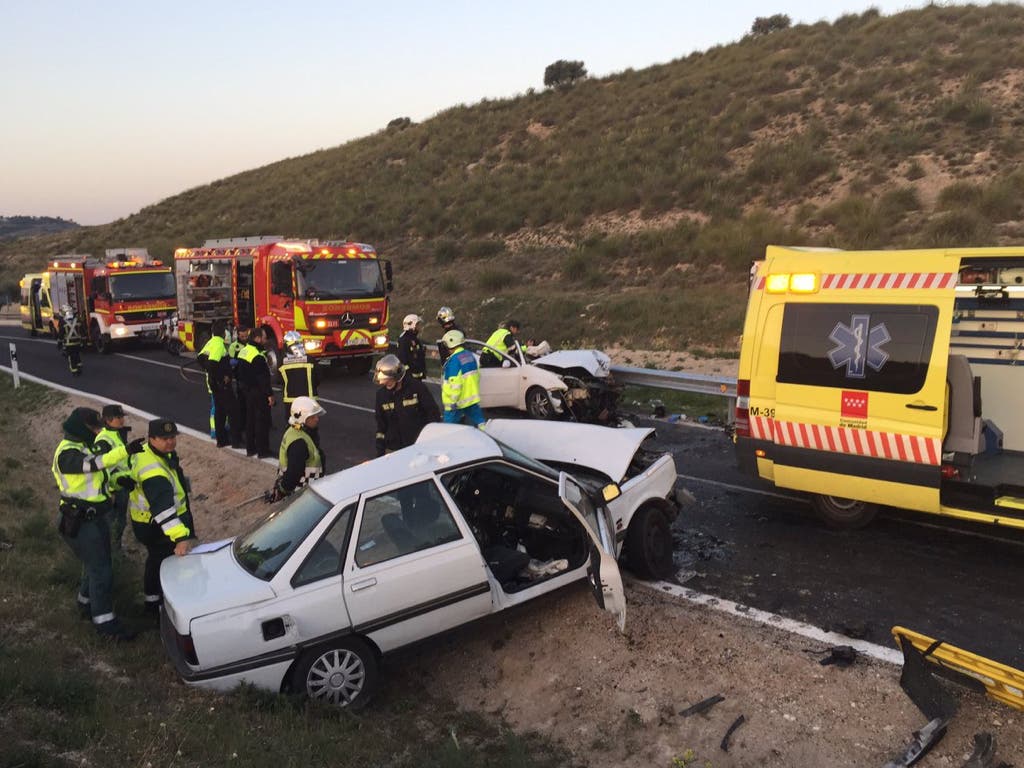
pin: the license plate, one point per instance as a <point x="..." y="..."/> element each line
<point x="356" y="341"/>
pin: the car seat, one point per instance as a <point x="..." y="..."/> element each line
<point x="964" y="426"/>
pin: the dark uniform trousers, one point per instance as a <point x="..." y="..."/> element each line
<point x="257" y="422"/>
<point x="91" y="545"/>
<point x="158" y="548"/>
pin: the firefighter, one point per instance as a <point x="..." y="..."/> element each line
<point x="298" y="375"/>
<point x="119" y="480"/>
<point x="237" y="345"/>
<point x="159" y="505"/>
<point x="254" y="377"/>
<point x="225" y="422"/>
<point x="504" y="341"/>
<point x="410" y="351"/>
<point x="404" y="406"/>
<point x="446" y="318"/>
<point x="300" y="457"/>
<point x="460" y="392"/>
<point x="70" y="339"/>
<point x="81" y="475"/>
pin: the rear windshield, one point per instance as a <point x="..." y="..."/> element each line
<point x="264" y="549"/>
<point x="877" y="347"/>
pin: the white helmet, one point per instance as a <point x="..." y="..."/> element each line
<point x="409" y="322"/>
<point x="292" y="337"/>
<point x="302" y="408"/>
<point x="453" y="339"/>
<point x="66" y="311"/>
<point x="445" y="315"/>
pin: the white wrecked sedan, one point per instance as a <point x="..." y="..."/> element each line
<point x="576" y="384"/>
<point x="394" y="550"/>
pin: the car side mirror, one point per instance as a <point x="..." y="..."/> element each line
<point x="611" y="492"/>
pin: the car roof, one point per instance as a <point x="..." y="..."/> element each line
<point x="439" y="447"/>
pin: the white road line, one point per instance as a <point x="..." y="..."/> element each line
<point x="728" y="607"/>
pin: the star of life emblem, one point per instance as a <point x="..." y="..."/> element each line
<point x="859" y="346"/>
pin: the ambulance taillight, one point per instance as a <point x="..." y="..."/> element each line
<point x="742" y="420"/>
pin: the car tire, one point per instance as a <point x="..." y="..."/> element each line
<point x="843" y="514"/>
<point x="538" y="404"/>
<point x="342" y="672"/>
<point x="649" y="543"/>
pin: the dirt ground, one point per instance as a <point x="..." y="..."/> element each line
<point x="559" y="667"/>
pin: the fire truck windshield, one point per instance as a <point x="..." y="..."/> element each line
<point x="142" y="285"/>
<point x="339" y="278"/>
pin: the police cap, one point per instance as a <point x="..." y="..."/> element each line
<point x="162" y="428"/>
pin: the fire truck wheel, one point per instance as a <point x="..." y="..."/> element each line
<point x="843" y="514"/>
<point x="100" y="341"/>
<point x="360" y="366"/>
<point x="272" y="352"/>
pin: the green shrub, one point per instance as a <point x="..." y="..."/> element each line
<point x="964" y="227"/>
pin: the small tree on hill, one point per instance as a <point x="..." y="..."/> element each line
<point x="764" y="25"/>
<point x="563" y="72"/>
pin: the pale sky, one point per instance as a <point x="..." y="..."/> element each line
<point x="108" y="106"/>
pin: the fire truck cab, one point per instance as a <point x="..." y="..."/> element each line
<point x="124" y="297"/>
<point x="334" y="293"/>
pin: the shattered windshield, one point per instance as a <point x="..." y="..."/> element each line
<point x="339" y="278"/>
<point x="264" y="549"/>
<point x="142" y="285"/>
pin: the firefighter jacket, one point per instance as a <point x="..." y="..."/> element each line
<point x="461" y="387"/>
<point x="81" y="471"/>
<point x="107" y="440"/>
<point x="297" y="380"/>
<point x="402" y="413"/>
<point x="442" y="349"/>
<point x="299" y="457"/>
<point x="160" y="495"/>
<point x="253" y="371"/>
<point x="69" y="332"/>
<point x="214" y="359"/>
<point x="412" y="354"/>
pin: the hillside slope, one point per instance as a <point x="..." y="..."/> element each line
<point x="627" y="208"/>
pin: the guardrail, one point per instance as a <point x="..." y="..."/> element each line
<point x="722" y="386"/>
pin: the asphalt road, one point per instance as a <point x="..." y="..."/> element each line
<point x="740" y="541"/>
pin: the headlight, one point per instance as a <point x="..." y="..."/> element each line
<point x="380" y="341"/>
<point x="119" y="330"/>
<point x="312" y="345"/>
<point x="320" y="323"/>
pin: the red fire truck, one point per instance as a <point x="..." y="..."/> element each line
<point x="334" y="293"/>
<point x="124" y="297"/>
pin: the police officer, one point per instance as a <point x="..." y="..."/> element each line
<point x="404" y="406"/>
<point x="71" y="339"/>
<point x="460" y="392"/>
<point x="410" y="351"/>
<point x="81" y="475"/>
<point x="298" y="375"/>
<point x="225" y="421"/>
<point x="159" y="505"/>
<point x="254" y="376"/>
<point x="119" y="481"/>
<point x="300" y="457"/>
<point x="234" y="348"/>
<point x="446" y="318"/>
<point x="503" y="340"/>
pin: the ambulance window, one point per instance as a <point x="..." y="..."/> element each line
<point x="878" y="347"/>
<point x="281" y="278"/>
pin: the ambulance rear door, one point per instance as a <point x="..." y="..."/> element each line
<point x="861" y="382"/>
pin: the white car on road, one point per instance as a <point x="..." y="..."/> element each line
<point x="463" y="524"/>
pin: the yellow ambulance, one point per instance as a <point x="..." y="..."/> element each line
<point x="892" y="378"/>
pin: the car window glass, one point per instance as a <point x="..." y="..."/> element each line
<point x="877" y="347"/>
<point x="403" y="521"/>
<point x="325" y="559"/>
<point x="268" y="545"/>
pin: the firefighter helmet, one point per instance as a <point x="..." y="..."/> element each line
<point x="292" y="337"/>
<point x="410" y="322"/>
<point x="388" y="368"/>
<point x="445" y="315"/>
<point x="302" y="408"/>
<point x="67" y="312"/>
<point x="453" y="339"/>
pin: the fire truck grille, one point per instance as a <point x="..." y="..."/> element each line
<point x="348" y="321"/>
<point x="140" y="316"/>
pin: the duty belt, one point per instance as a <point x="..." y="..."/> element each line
<point x="84" y="509"/>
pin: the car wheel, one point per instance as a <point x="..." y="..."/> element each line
<point x="343" y="673"/>
<point x="649" y="543"/>
<point x="843" y="514"/>
<point x="538" y="404"/>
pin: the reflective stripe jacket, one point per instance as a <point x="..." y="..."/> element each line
<point x="297" y="381"/>
<point x="253" y="371"/>
<point x="159" y="496"/>
<point x="106" y="440"/>
<point x="300" y="458"/>
<point x="81" y="471"/>
<point x="412" y="354"/>
<point x="501" y="340"/>
<point x="461" y="387"/>
<point x="402" y="413"/>
<point x="216" y="362"/>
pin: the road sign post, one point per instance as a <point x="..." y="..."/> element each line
<point x="14" y="365"/>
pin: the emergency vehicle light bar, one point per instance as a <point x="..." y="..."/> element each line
<point x="801" y="282"/>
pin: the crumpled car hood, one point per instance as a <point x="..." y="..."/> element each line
<point x="595" y="362"/>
